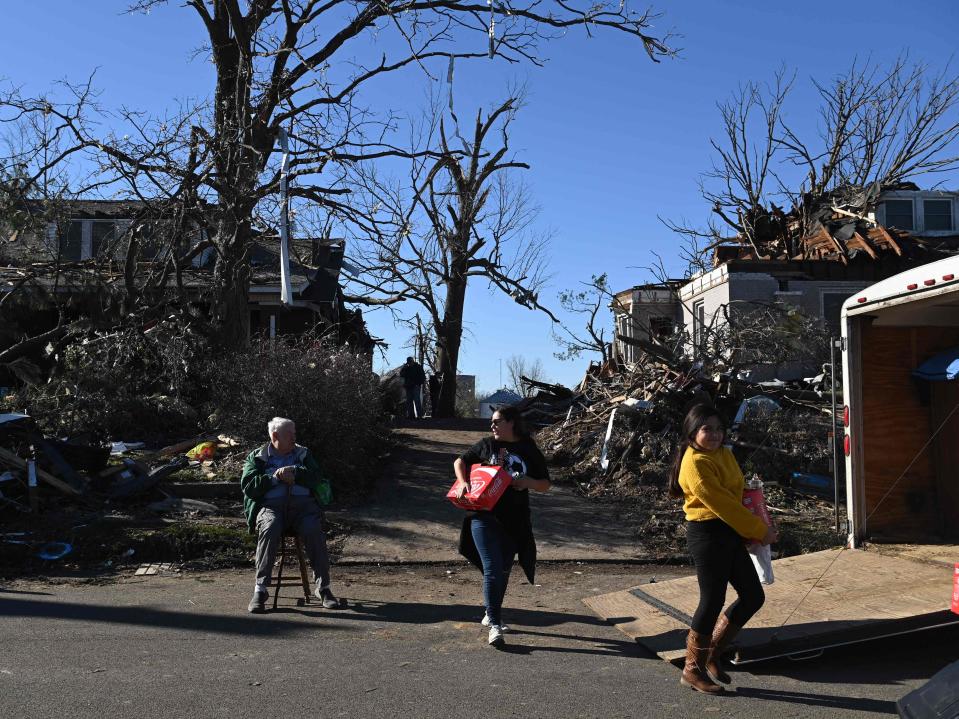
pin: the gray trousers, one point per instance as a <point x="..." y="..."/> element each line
<point x="302" y="515"/>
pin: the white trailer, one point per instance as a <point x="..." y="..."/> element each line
<point x="901" y="437"/>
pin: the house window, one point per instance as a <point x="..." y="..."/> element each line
<point x="104" y="237"/>
<point x="937" y="215"/>
<point x="624" y="326"/>
<point x="899" y="214"/>
<point x="660" y="327"/>
<point x="84" y="239"/>
<point x="699" y="327"/>
<point x="71" y="242"/>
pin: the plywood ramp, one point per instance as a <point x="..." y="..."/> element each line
<point x="818" y="600"/>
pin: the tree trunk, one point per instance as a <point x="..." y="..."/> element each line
<point x="237" y="165"/>
<point x="449" y="336"/>
<point x="231" y="285"/>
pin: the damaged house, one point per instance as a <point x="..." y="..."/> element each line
<point x="76" y="261"/>
<point x="812" y="258"/>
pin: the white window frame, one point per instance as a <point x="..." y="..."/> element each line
<point x="699" y="326"/>
<point x="847" y="289"/>
<point x="625" y="329"/>
<point x="952" y="214"/>
<point x="918" y="198"/>
<point x="86" y="233"/>
<point x="911" y="200"/>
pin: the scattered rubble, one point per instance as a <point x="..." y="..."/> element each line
<point x="95" y="505"/>
<point x="614" y="437"/>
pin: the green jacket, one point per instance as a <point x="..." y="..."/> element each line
<point x="256" y="481"/>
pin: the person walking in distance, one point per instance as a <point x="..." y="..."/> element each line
<point x="413" y="379"/>
<point x="492" y="540"/>
<point x="706" y="476"/>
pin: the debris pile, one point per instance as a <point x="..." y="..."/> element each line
<point x="73" y="503"/>
<point x="615" y="434"/>
<point x="618" y="429"/>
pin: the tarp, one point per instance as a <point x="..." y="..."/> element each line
<point x="941" y="367"/>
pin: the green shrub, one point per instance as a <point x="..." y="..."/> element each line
<point x="329" y="392"/>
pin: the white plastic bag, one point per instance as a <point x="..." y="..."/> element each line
<point x="762" y="558"/>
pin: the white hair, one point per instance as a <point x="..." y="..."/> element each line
<point x="278" y="423"/>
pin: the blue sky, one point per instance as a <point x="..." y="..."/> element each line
<point x="613" y="140"/>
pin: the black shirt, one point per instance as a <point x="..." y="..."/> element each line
<point x="522" y="456"/>
<point x="412" y="374"/>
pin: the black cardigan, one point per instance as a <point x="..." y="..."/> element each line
<point x="515" y="520"/>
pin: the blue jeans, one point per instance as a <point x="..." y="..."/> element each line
<point x="414" y="404"/>
<point x="496" y="550"/>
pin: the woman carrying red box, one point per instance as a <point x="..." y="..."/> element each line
<point x="491" y="540"/>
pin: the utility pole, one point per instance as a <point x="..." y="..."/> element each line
<point x="286" y="292"/>
<point x="420" y="349"/>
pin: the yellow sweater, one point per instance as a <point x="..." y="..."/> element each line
<point x="713" y="489"/>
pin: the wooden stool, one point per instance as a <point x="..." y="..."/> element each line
<point x="304" y="577"/>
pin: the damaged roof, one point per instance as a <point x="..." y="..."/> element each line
<point x="837" y="226"/>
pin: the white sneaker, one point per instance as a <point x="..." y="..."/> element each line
<point x="496" y="636"/>
<point x="486" y="623"/>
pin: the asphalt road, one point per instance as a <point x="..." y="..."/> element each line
<point x="410" y="646"/>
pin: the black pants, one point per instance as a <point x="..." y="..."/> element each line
<point x="721" y="558"/>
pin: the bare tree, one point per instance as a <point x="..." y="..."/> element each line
<point x="518" y="368"/>
<point x="592" y="303"/>
<point x="296" y="64"/>
<point x="744" y="336"/>
<point x="461" y="216"/>
<point x="878" y="126"/>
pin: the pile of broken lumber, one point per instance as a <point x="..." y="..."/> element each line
<point x="619" y="427"/>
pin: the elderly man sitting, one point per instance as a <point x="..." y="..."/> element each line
<point x="283" y="489"/>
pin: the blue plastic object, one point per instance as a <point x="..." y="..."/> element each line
<point x="54" y="550"/>
<point x="941" y="367"/>
<point x="820" y="484"/>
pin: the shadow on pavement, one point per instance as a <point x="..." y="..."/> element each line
<point x="245" y="624"/>
<point x="600" y="645"/>
<point x="817" y="700"/>
<point x="427" y="613"/>
<point x="519" y="619"/>
<point x="893" y="660"/>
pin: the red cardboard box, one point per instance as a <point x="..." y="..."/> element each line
<point x="487" y="484"/>
<point x="955" y="589"/>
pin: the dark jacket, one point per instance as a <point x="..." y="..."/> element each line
<point x="257" y="480"/>
<point x="520" y="529"/>
<point x="412" y="374"/>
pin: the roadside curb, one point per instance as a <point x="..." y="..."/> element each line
<point x="634" y="561"/>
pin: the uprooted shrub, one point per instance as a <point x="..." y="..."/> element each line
<point x="165" y="384"/>
<point x="127" y="383"/>
<point x="329" y="392"/>
<point x="778" y="443"/>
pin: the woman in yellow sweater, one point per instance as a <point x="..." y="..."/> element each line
<point x="705" y="474"/>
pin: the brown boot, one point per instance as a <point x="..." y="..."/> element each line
<point x="723" y="635"/>
<point x="694" y="673"/>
